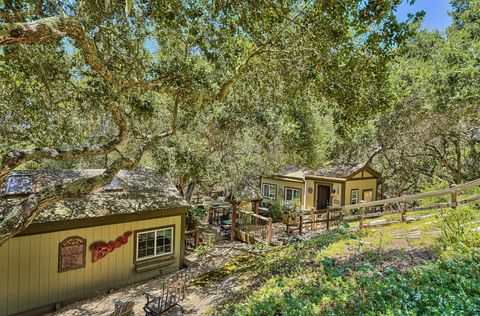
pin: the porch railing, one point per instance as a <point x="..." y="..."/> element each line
<point x="252" y="228"/>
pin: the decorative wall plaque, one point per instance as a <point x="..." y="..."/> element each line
<point x="71" y="254"/>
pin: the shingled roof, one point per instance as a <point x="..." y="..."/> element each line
<point x="337" y="171"/>
<point x="143" y="189"/>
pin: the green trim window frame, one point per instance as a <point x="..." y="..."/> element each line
<point x="269" y="191"/>
<point x="292" y="194"/>
<point x="154" y="243"/>
<point x="354" y="194"/>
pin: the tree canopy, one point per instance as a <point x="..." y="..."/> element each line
<point x="430" y="130"/>
<point x="102" y="82"/>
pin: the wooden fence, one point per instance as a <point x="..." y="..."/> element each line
<point x="251" y="228"/>
<point x="453" y="191"/>
<point x="312" y="219"/>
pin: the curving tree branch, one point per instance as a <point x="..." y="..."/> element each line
<point x="154" y="139"/>
<point x="237" y="74"/>
<point x="17" y="157"/>
<point x="53" y="28"/>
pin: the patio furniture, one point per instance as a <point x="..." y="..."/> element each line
<point x="173" y="292"/>
<point x="225" y="225"/>
<point x="264" y="211"/>
<point x="123" y="308"/>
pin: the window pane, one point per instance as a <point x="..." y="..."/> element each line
<point x="146" y="244"/>
<point x="273" y="192"/>
<point x="288" y="193"/>
<point x="156" y="243"/>
<point x="354" y="197"/>
<point x="296" y="194"/>
<point x="164" y="241"/>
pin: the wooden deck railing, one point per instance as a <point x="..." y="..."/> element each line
<point x="252" y="228"/>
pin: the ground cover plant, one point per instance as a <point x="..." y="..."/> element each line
<point x="385" y="271"/>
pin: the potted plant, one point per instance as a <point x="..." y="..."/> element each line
<point x="277" y="210"/>
<point x="291" y="212"/>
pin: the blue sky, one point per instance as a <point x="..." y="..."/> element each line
<point x="436" y="13"/>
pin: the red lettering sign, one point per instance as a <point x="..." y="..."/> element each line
<point x="100" y="248"/>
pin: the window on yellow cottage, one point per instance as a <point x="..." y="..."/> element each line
<point x="354" y="196"/>
<point x="154" y="243"/>
<point x="269" y="191"/>
<point x="292" y="194"/>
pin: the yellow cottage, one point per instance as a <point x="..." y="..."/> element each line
<point x="336" y="185"/>
<point x="131" y="230"/>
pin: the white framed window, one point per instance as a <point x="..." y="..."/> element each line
<point x="354" y="196"/>
<point x="154" y="243"/>
<point x="270" y="191"/>
<point x="292" y="194"/>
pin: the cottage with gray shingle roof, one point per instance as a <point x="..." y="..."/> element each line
<point x="131" y="230"/>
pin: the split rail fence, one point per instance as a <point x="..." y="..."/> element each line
<point x="311" y="219"/>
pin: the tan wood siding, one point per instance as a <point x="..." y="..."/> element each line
<point x="29" y="265"/>
<point x="281" y="184"/>
<point x="361" y="185"/>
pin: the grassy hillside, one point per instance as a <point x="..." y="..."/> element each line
<point x="430" y="267"/>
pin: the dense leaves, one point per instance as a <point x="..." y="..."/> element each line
<point x="431" y="128"/>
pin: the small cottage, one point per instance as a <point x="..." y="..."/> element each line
<point x="130" y="230"/>
<point x="336" y="185"/>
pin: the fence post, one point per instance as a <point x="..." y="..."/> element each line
<point x="197" y="238"/>
<point x="300" y="226"/>
<point x="314" y="221"/>
<point x="234" y="221"/>
<point x="269" y="233"/>
<point x="329" y="216"/>
<point x="454" y="197"/>
<point x="404" y="212"/>
<point x="210" y="216"/>
<point x="362" y="219"/>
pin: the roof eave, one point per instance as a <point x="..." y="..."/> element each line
<point x="313" y="177"/>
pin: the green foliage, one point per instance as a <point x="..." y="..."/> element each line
<point x="277" y="209"/>
<point x="288" y="78"/>
<point x="198" y="212"/>
<point x="205" y="246"/>
<point x="435" y="185"/>
<point x="457" y="224"/>
<point x="293" y="208"/>
<point x="450" y="286"/>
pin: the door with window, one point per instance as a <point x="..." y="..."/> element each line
<point x="323" y="197"/>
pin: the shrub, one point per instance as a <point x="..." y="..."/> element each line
<point x="455" y="225"/>
<point x="277" y="210"/>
